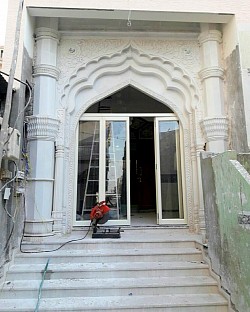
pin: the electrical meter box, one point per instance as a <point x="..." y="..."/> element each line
<point x="14" y="141"/>
<point x="13" y="146"/>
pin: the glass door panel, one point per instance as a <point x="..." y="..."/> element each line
<point x="116" y="174"/>
<point x="102" y="168"/>
<point x="88" y="168"/>
<point x="169" y="192"/>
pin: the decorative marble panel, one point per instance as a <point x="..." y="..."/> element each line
<point x="75" y="53"/>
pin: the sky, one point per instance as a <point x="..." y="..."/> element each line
<point x="3" y="16"/>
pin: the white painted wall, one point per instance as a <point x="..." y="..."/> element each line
<point x="29" y="33"/>
<point x="3" y="20"/>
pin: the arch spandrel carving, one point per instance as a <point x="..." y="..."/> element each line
<point x="131" y="60"/>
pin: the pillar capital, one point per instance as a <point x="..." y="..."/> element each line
<point x="215" y="128"/>
<point x="46" y="70"/>
<point x="211" y="72"/>
<point x="210" y="35"/>
<point x="42" y="127"/>
<point x="47" y="33"/>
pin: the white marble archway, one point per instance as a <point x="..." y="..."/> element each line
<point x="156" y="77"/>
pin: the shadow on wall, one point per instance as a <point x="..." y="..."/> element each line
<point x="226" y="191"/>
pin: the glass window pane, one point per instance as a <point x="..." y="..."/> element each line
<point x="88" y="168"/>
<point x="169" y="147"/>
<point x="115" y="184"/>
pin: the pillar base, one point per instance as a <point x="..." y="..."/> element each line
<point x="57" y="225"/>
<point x="36" y="228"/>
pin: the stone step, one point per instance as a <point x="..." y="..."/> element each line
<point x="112" y="255"/>
<point x="110" y="287"/>
<point x="166" y="303"/>
<point x="109" y="270"/>
<point x="92" y="244"/>
<point x="132" y="235"/>
<point x="145" y="270"/>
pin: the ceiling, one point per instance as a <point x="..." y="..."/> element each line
<point x="75" y="19"/>
<point x="88" y="24"/>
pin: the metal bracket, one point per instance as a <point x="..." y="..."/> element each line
<point x="107" y="233"/>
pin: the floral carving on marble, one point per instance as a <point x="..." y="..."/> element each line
<point x="74" y="53"/>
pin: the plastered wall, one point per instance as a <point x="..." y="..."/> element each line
<point x="235" y="103"/>
<point x="227" y="212"/>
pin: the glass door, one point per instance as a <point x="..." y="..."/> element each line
<point x="103" y="150"/>
<point x="168" y="171"/>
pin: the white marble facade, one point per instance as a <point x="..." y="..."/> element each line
<point x="73" y="72"/>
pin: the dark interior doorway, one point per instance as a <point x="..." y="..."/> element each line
<point x="142" y="165"/>
<point x="130" y="100"/>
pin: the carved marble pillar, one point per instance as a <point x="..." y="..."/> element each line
<point x="215" y="123"/>
<point x="42" y="132"/>
<point x="196" y="148"/>
<point x="41" y="136"/>
<point x="201" y="212"/>
<point x="57" y="214"/>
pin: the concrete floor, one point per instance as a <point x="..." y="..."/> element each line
<point x="143" y="219"/>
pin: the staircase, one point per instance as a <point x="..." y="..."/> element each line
<point x="147" y="269"/>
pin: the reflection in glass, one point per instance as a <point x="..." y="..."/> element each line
<point x="88" y="168"/>
<point x="170" y="166"/>
<point x="115" y="184"/>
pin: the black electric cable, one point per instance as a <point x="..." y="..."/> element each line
<point x="8" y="214"/>
<point x="8" y="240"/>
<point x="12" y="178"/>
<point x="41" y="251"/>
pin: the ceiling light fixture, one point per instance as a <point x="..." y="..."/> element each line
<point x="129" y="24"/>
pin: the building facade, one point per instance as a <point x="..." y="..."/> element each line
<point x="125" y="97"/>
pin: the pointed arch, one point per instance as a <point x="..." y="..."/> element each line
<point x="155" y="76"/>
